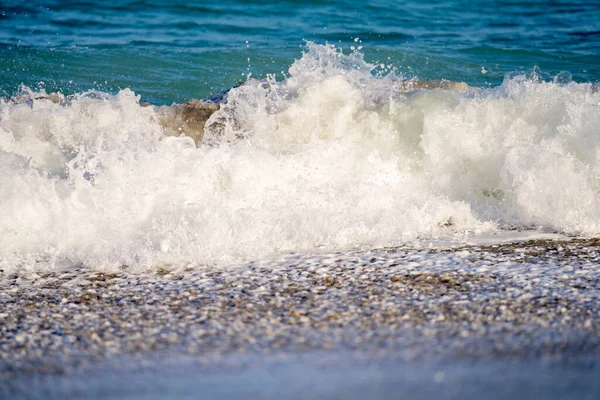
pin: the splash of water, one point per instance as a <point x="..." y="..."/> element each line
<point x="334" y="156"/>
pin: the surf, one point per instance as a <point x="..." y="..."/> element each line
<point x="338" y="154"/>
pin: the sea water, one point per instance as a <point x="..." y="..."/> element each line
<point x="167" y="50"/>
<point x="319" y="145"/>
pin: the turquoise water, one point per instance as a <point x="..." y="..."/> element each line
<point x="170" y="51"/>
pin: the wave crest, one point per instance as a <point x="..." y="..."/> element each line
<point x="335" y="155"/>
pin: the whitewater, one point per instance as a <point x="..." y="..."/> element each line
<point x="338" y="154"/>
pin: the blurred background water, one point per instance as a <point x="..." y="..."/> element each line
<point x="170" y="51"/>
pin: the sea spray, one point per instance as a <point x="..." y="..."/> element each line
<point x="334" y="156"/>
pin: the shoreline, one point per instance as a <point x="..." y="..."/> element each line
<point x="520" y="301"/>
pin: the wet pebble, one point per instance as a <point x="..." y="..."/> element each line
<point x="531" y="299"/>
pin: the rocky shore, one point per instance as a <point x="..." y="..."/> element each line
<point x="536" y="299"/>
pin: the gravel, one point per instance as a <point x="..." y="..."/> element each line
<point x="535" y="299"/>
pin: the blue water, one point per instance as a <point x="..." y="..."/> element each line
<point x="170" y="51"/>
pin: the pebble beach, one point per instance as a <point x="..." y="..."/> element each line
<point x="535" y="300"/>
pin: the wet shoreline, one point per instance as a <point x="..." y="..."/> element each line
<point x="520" y="301"/>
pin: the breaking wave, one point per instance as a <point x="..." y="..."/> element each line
<point x="334" y="156"/>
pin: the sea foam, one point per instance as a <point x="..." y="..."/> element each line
<point x="333" y="156"/>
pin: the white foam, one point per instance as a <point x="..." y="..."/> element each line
<point x="332" y="157"/>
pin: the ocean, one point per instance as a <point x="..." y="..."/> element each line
<point x="172" y="51"/>
<point x="168" y="51"/>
